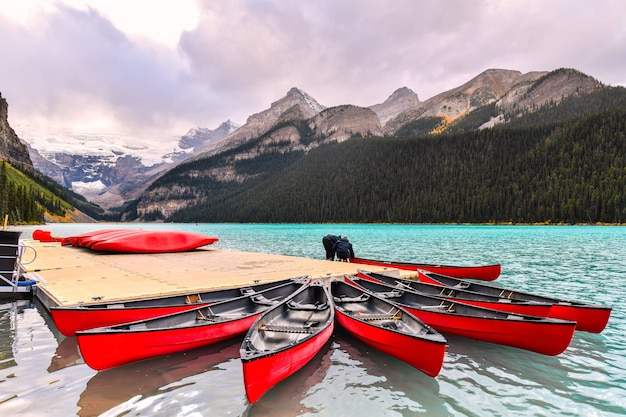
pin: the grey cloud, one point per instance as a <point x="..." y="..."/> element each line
<point x="245" y="54"/>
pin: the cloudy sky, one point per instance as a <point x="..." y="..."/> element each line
<point x="157" y="68"/>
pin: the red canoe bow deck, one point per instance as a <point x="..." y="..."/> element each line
<point x="72" y="319"/>
<point x="547" y="336"/>
<point x="285" y="338"/>
<point x="523" y="307"/>
<point x="588" y="317"/>
<point x="388" y="328"/>
<point x="479" y="272"/>
<point x="107" y="347"/>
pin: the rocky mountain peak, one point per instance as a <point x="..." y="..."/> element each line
<point x="295" y="96"/>
<point x="487" y="87"/>
<point x="230" y="125"/>
<point x="342" y="122"/>
<point x="295" y="102"/>
<point x="402" y="93"/>
<point x="12" y="148"/>
<point x="399" y="101"/>
<point x="538" y="88"/>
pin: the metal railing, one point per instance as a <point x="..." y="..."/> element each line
<point x="11" y="261"/>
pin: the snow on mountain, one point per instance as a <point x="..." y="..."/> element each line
<point x="108" y="168"/>
<point x="106" y="145"/>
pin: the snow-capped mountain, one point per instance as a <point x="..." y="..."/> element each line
<point x="111" y="169"/>
<point x="199" y="139"/>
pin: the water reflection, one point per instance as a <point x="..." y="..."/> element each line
<point x="144" y="379"/>
<point x="66" y="354"/>
<point x="501" y="379"/>
<point x="8" y="325"/>
<point x="390" y="387"/>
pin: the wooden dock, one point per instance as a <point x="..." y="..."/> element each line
<point x="71" y="276"/>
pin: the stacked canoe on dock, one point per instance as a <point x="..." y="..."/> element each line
<point x="131" y="240"/>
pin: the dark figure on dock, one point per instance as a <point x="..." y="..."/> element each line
<point x="329" y="242"/>
<point x="343" y="249"/>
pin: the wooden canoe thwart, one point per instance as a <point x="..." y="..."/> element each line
<point x="480" y="272"/>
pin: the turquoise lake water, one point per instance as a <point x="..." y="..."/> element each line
<point x="42" y="373"/>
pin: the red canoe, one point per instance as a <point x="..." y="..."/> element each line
<point x="72" y="319"/>
<point x="45" y="236"/>
<point x="480" y="272"/>
<point x="285" y="338"/>
<point x="588" y="317"/>
<point x="543" y="335"/>
<point x="524" y="307"/>
<point x="107" y="347"/>
<point x="153" y="241"/>
<point x="388" y="328"/>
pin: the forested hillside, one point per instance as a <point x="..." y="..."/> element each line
<point x="28" y="197"/>
<point x="563" y="164"/>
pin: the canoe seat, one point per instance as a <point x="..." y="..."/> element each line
<point x="262" y="300"/>
<point x="294" y="305"/>
<point x="390" y="294"/>
<point x="346" y="299"/>
<point x="246" y="291"/>
<point x="287" y="329"/>
<point x="200" y="316"/>
<point x="443" y="306"/>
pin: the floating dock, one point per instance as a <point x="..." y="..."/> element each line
<point x="68" y="276"/>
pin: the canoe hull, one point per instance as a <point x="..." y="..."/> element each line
<point x="588" y="317"/>
<point x="423" y="349"/>
<point x="407" y="349"/>
<point x="107" y="350"/>
<point x="108" y="347"/>
<point x="537" y="334"/>
<point x="72" y="319"/>
<point x="549" y="338"/>
<point x="285" y="338"/>
<point x="261" y="375"/>
<point x="479" y="272"/>
<point x="529" y="308"/>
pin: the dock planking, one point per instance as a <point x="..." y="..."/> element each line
<point x="71" y="275"/>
